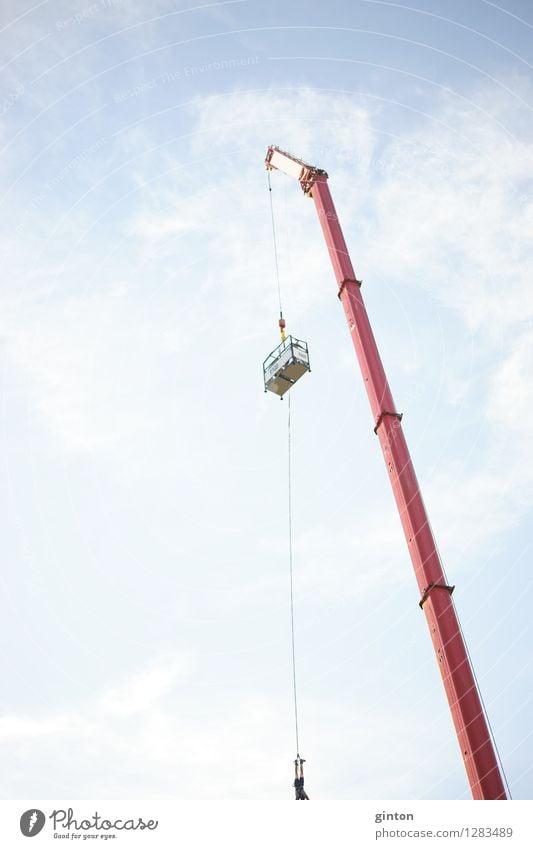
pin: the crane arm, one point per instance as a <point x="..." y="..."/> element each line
<point x="475" y="740"/>
<point x="306" y="175"/>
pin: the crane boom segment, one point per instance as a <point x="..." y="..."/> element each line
<point x="471" y="726"/>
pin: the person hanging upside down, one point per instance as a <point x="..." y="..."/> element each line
<point x="299" y="779"/>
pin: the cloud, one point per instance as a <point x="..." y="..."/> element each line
<point x="441" y="210"/>
<point x="450" y="213"/>
<point x="148" y="688"/>
<point x="145" y="739"/>
<point x="17" y="727"/>
<point x="147" y="359"/>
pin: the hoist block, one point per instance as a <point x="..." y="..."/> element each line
<point x="285" y="365"/>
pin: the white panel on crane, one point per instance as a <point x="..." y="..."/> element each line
<point x="284" y="163"/>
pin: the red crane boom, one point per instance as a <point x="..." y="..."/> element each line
<point x="468" y="716"/>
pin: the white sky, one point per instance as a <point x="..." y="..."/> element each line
<point x="145" y="610"/>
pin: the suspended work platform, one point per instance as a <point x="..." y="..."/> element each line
<point x="285" y="365"/>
